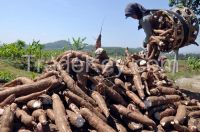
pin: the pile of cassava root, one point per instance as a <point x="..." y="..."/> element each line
<point x="78" y="92"/>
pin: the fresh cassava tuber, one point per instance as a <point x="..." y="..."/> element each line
<point x="60" y="114"/>
<point x="95" y="121"/>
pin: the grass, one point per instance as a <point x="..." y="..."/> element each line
<point x="5" y="76"/>
<point x="183" y="71"/>
<point x="7" y="68"/>
<point x="182" y="74"/>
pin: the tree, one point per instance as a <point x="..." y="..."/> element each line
<point x="20" y="44"/>
<point x="35" y="48"/>
<point x="192" y="4"/>
<point x="12" y="50"/>
<point x="78" y="44"/>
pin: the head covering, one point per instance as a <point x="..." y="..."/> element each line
<point x="99" y="51"/>
<point x="135" y="9"/>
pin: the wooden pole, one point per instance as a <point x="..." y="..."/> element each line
<point x="38" y="66"/>
<point x="175" y="65"/>
<point x="28" y="61"/>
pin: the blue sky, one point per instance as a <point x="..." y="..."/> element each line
<point x="52" y="20"/>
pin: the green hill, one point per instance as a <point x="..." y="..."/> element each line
<point x="57" y="45"/>
<point x="66" y="44"/>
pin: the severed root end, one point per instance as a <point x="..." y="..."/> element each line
<point x="147" y="104"/>
<point x="163" y="124"/>
<point x="157" y="115"/>
<point x="37" y="105"/>
<point x="176" y="122"/>
<point x="80" y="121"/>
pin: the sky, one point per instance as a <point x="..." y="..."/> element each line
<point x="53" y="20"/>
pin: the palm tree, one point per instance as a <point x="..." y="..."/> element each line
<point x="78" y="44"/>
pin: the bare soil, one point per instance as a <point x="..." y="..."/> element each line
<point x="190" y="86"/>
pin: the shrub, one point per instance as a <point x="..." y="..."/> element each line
<point x="6" y="76"/>
<point x="193" y="64"/>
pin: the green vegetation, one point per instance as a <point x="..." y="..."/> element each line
<point x="9" y="72"/>
<point x="78" y="44"/>
<point x="12" y="50"/>
<point x="185" y="69"/>
<point x="193" y="64"/>
<point x="5" y="76"/>
<point x="13" y="53"/>
<point x="182" y="74"/>
<point x="17" y="49"/>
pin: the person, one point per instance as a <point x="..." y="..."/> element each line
<point x="137" y="11"/>
<point x="101" y="55"/>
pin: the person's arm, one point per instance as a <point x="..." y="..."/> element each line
<point x="146" y="25"/>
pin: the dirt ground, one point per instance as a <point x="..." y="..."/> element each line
<point x="190" y="86"/>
